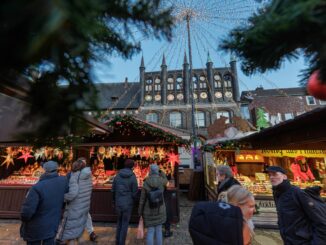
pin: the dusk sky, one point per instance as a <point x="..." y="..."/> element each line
<point x="211" y="22"/>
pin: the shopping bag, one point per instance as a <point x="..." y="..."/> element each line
<point x="140" y="229"/>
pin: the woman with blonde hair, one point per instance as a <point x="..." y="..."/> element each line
<point x="242" y="198"/>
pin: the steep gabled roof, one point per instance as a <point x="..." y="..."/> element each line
<point x="261" y="92"/>
<point x="118" y="95"/>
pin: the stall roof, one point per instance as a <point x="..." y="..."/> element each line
<point x="12" y="110"/>
<point x="128" y="130"/>
<point x="306" y="131"/>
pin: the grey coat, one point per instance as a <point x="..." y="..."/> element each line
<point x="78" y="203"/>
<point x="155" y="216"/>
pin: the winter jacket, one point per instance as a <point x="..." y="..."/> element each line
<point x="124" y="189"/>
<point x="78" y="203"/>
<point x="299" y="222"/>
<point x="41" y="210"/>
<point x="216" y="223"/>
<point x="226" y="184"/>
<point x="152" y="216"/>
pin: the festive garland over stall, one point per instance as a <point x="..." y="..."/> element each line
<point x="227" y="145"/>
<point x="124" y="124"/>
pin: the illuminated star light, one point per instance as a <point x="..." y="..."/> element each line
<point x="25" y="156"/>
<point x="8" y="161"/>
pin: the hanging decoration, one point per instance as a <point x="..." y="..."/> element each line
<point x="9" y="160"/>
<point x="160" y="153"/>
<point x="109" y="153"/>
<point x="26" y="154"/>
<point x="173" y="159"/>
<point x="133" y="151"/>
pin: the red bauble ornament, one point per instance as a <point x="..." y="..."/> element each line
<point x="315" y="87"/>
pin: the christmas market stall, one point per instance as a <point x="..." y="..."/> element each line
<point x="293" y="145"/>
<point x="20" y="166"/>
<point x="145" y="144"/>
<point x="124" y="137"/>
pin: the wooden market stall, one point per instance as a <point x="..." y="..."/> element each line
<point x="297" y="145"/>
<point x="128" y="137"/>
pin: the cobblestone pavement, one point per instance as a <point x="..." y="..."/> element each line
<point x="9" y="232"/>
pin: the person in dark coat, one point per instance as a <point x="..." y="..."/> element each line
<point x="153" y="217"/>
<point x="213" y="223"/>
<point x="225" y="178"/>
<point x="41" y="210"/>
<point x="299" y="221"/>
<point x="124" y="190"/>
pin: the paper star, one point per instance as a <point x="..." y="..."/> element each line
<point x="25" y="156"/>
<point x="8" y="161"/>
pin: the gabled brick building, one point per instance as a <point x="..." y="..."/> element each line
<point x="164" y="97"/>
<point x="279" y="104"/>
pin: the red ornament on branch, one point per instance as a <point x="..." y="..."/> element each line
<point x="316" y="87"/>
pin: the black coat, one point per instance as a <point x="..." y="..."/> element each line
<point x="216" y="223"/>
<point x="299" y="222"/>
<point x="41" y="210"/>
<point x="124" y="189"/>
<point x="224" y="186"/>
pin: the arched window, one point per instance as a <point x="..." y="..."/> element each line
<point x="176" y="119"/>
<point x="223" y="114"/>
<point x="200" y="119"/>
<point x="152" y="117"/>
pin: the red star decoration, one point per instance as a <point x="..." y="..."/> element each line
<point x="25" y="156"/>
<point x="173" y="159"/>
<point x="125" y="151"/>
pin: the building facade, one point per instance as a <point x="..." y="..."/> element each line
<point x="279" y="104"/>
<point x="166" y="95"/>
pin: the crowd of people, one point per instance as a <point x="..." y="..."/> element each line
<point x="56" y="209"/>
<point x="301" y="213"/>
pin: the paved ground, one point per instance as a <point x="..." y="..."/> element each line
<point x="9" y="232"/>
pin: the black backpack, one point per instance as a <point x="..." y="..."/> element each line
<point x="155" y="198"/>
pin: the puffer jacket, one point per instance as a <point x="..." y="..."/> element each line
<point x="152" y="216"/>
<point x="78" y="203"/>
<point x="124" y="189"/>
<point x="42" y="207"/>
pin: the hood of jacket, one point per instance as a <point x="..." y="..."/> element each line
<point x="85" y="173"/>
<point x="153" y="181"/>
<point x="126" y="173"/>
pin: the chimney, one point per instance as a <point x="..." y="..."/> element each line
<point x="126" y="82"/>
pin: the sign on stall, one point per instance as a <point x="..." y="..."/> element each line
<point x="292" y="153"/>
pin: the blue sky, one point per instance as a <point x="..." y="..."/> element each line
<point x="211" y="23"/>
<point x="118" y="69"/>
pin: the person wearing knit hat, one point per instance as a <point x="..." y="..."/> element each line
<point x="154" y="169"/>
<point x="125" y="189"/>
<point x="41" y="209"/>
<point x="153" y="217"/>
<point x="50" y="166"/>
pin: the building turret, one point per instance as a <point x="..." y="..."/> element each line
<point x="209" y="67"/>
<point x="142" y="80"/>
<point x="164" y="74"/>
<point x="186" y="81"/>
<point x="235" y="82"/>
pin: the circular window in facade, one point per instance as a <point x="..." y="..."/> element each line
<point x="170" y="80"/>
<point x="228" y="94"/>
<point x="148" y="97"/>
<point x="218" y="95"/>
<point x="203" y="95"/>
<point x="157" y="80"/>
<point x="157" y="97"/>
<point x="170" y="97"/>
<point x="180" y="96"/>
